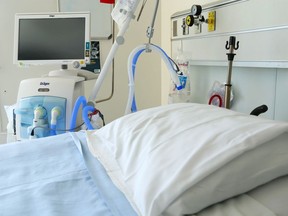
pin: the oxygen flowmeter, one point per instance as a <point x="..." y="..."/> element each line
<point x="196" y="18"/>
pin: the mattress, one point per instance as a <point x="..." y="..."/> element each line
<point x="273" y="195"/>
<point x="269" y="199"/>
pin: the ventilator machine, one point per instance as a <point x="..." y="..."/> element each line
<point x="54" y="104"/>
<point x="45" y="105"/>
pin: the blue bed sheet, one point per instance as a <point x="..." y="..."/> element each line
<point x="56" y="176"/>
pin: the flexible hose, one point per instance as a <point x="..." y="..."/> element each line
<point x="132" y="60"/>
<point x="80" y="101"/>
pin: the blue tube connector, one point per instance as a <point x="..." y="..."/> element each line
<point x="52" y="130"/>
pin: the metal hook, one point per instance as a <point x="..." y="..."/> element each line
<point x="227" y="45"/>
<point x="231" y="43"/>
<point x="237" y="46"/>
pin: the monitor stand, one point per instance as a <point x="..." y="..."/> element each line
<point x="64" y="71"/>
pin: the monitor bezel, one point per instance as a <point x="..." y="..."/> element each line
<point x="82" y="61"/>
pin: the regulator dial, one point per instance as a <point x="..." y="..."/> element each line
<point x="189" y="20"/>
<point x="196" y="10"/>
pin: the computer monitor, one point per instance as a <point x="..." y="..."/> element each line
<point x="52" y="38"/>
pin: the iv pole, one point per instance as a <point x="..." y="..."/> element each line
<point x="231" y="46"/>
<point x="150" y="29"/>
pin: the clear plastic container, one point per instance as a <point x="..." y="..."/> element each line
<point x="184" y="95"/>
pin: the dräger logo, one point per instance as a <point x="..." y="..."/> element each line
<point x="44" y="83"/>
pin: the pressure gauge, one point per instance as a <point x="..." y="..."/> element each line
<point x="196" y="10"/>
<point x="189" y="20"/>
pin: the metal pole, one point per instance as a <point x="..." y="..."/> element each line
<point x="231" y="46"/>
<point x="150" y="29"/>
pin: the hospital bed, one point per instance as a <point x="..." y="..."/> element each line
<point x="177" y="159"/>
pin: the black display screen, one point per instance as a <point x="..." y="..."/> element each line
<point x="51" y="39"/>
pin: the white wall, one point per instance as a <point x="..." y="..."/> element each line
<point x="148" y="70"/>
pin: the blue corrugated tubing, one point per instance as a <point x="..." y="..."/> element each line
<point x="134" y="61"/>
<point x="80" y="100"/>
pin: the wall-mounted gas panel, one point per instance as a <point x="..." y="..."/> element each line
<point x="261" y="27"/>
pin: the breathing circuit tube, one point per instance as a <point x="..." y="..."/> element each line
<point x="127" y="16"/>
<point x="131" y="103"/>
<point x="132" y="60"/>
<point x="131" y="84"/>
<point x="86" y="108"/>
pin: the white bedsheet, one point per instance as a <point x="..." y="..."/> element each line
<point x="56" y="176"/>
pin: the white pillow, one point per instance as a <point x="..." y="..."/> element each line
<point x="160" y="156"/>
